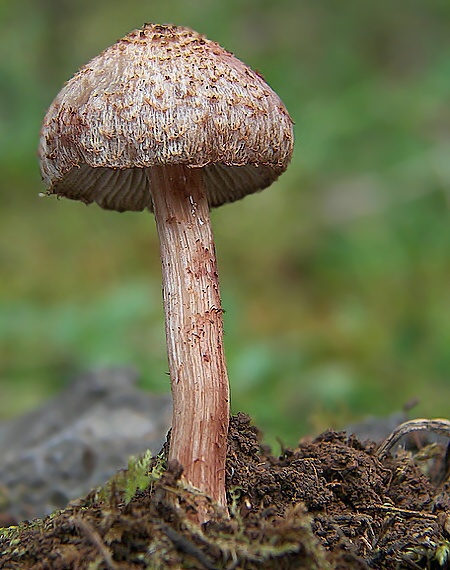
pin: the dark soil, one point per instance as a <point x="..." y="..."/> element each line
<point x="332" y="503"/>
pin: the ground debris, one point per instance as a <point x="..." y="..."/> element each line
<point x="332" y="503"/>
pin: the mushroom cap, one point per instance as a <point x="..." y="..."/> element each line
<point x="163" y="95"/>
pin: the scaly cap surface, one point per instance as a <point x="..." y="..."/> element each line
<point x="163" y="95"/>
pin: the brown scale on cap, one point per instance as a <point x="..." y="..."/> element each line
<point x="163" y="95"/>
<point x="169" y="121"/>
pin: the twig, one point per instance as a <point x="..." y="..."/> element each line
<point x="184" y="545"/>
<point x="96" y="540"/>
<point x="400" y="511"/>
<point x="439" y="426"/>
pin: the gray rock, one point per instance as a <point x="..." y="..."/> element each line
<point x="78" y="439"/>
<point x="375" y="428"/>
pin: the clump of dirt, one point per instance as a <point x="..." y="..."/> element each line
<point x="331" y="503"/>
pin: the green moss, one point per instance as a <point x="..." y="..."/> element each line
<point x="141" y="473"/>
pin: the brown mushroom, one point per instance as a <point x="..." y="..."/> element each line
<point x="169" y="121"/>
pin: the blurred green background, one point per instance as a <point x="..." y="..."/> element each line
<point x="335" y="280"/>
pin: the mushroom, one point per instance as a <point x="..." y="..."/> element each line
<point x="167" y="120"/>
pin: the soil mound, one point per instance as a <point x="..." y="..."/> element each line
<point x="331" y="503"/>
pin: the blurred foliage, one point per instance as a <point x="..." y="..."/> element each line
<point x="335" y="280"/>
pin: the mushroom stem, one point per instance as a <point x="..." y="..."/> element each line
<point x="194" y="327"/>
